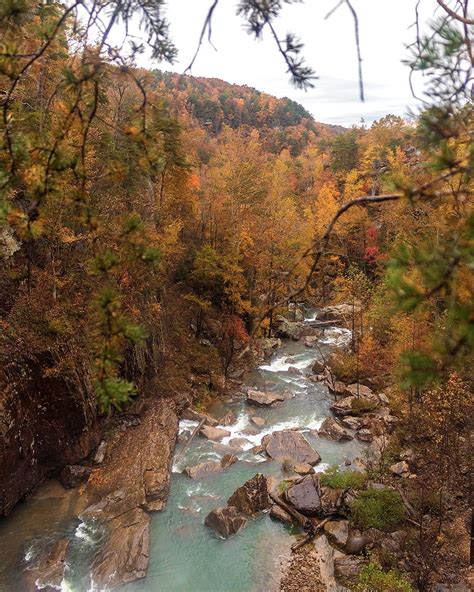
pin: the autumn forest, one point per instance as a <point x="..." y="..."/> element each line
<point x="181" y="255"/>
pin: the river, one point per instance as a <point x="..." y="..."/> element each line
<point x="185" y="555"/>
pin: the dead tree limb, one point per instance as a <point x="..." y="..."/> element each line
<point x="310" y="536"/>
<point x="303" y="521"/>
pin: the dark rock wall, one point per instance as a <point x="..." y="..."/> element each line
<point x="46" y="422"/>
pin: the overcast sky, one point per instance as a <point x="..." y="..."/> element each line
<point x="385" y="29"/>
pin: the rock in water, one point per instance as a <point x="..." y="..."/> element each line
<point x="213" y="433"/>
<point x="318" y="367"/>
<point x="124" y="557"/>
<point x="225" y="521"/>
<point x="261" y="398"/>
<point x="333" y="430"/>
<point x="258" y="421"/>
<point x="228" y="419"/>
<point x="74" y="475"/>
<point x="290" y="444"/>
<point x="304" y="496"/>
<point x="252" y="496"/>
<point x="211" y="467"/>
<point x="47" y="572"/>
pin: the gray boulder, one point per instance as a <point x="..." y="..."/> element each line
<point x="263" y="398"/>
<point x="292" y="445"/>
<point x="304" y="496"/>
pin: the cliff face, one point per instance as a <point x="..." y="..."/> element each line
<point x="46" y="422"/>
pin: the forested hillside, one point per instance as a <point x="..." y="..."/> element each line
<point x="154" y="228"/>
<point x="282" y="123"/>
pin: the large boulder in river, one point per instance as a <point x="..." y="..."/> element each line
<point x="263" y="398"/>
<point x="304" y="496"/>
<point x="213" y="433"/>
<point x="290" y="444"/>
<point x="288" y="329"/>
<point x="225" y="521"/>
<point x="338" y="311"/>
<point x="211" y="467"/>
<point x="333" y="430"/>
<point x="252" y="497"/>
<point x="124" y="557"/>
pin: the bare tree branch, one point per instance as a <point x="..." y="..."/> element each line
<point x="452" y="13"/>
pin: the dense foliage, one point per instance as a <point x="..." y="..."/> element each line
<point x="150" y="220"/>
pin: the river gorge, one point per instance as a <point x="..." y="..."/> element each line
<point x="184" y="553"/>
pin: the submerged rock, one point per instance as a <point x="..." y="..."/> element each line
<point x="239" y="443"/>
<point x="213" y="433"/>
<point x="292" y="445"/>
<point x="258" y="421"/>
<point x="225" y="521"/>
<point x="263" y="398"/>
<point x="333" y="430"/>
<point x="304" y="496"/>
<point x="252" y="497"/>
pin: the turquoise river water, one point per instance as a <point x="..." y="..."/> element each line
<point x="185" y="555"/>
